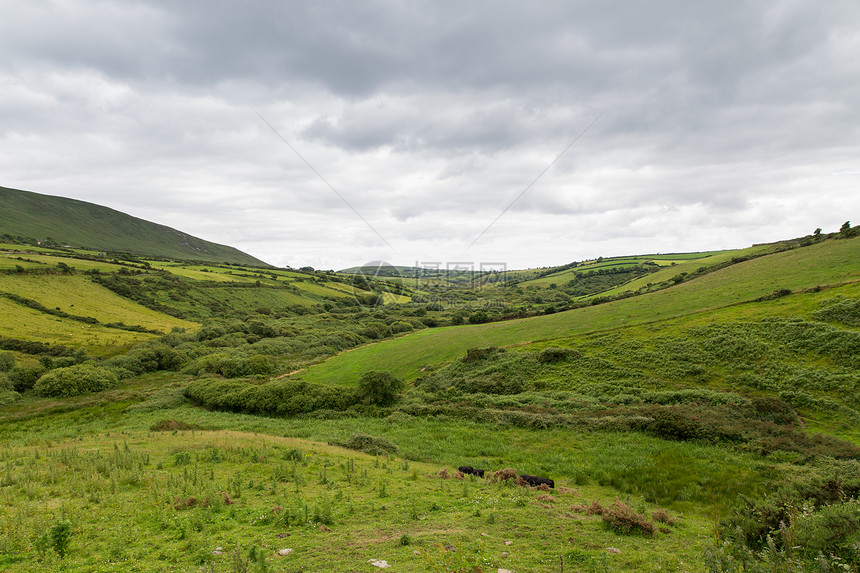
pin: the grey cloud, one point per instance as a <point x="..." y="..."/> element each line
<point x="430" y="117"/>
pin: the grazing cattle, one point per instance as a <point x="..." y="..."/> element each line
<point x="471" y="470"/>
<point x="535" y="481"/>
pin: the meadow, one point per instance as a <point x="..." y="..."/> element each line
<point x="298" y="421"/>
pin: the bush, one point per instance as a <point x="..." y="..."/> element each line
<point x="56" y="538"/>
<point x="5" y="383"/>
<point x="260" y="365"/>
<point x="805" y="519"/>
<point x="494" y="383"/>
<point x="401" y="326"/>
<point x="774" y="410"/>
<point x="368" y="444"/>
<point x="375" y="330"/>
<point x="670" y="424"/>
<point x="279" y="398"/>
<point x="24" y="377"/>
<point x="846" y="311"/>
<point x="7" y="361"/>
<point x="481" y="353"/>
<point x="75" y="380"/>
<point x="621" y="518"/>
<point x="8" y="397"/>
<point x="380" y="388"/>
<point x="549" y="355"/>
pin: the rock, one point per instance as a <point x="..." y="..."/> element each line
<point x="382" y="564"/>
<point x="504" y="571"/>
<point x="282" y="535"/>
<point x="284" y="552"/>
<point x="509" y="542"/>
<point x="485" y="535"/>
<point x="504" y="554"/>
<point x="416" y="552"/>
<point x="450" y="548"/>
<point x="613" y="550"/>
<point x="218" y="551"/>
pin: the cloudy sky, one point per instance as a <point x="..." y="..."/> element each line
<point x="334" y="133"/>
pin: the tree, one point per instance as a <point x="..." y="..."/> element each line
<point x="478" y="317"/>
<point x="380" y="388"/>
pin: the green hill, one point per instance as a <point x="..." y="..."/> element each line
<point x="829" y="262"/>
<point x="686" y="413"/>
<point x="63" y="221"/>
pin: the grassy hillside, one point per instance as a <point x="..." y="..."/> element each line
<point x="81" y="224"/>
<point x="831" y="262"/>
<point x="306" y="421"/>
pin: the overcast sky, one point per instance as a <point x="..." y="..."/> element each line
<point x="700" y="125"/>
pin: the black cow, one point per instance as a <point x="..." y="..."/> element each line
<point x="471" y="470"/>
<point x="535" y="481"/>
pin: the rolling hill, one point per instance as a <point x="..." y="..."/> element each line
<point x="265" y="419"/>
<point x="80" y="224"/>
<point x="830" y="262"/>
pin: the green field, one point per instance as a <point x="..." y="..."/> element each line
<point x="821" y="264"/>
<point x="77" y="295"/>
<point x="27" y="324"/>
<point x="326" y="414"/>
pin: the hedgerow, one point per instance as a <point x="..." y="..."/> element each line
<point x="75" y="380"/>
<point x="278" y="398"/>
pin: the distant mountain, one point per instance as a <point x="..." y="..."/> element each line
<point x="87" y="225"/>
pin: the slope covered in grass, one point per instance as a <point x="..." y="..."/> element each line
<point x="830" y="262"/>
<point x="82" y="224"/>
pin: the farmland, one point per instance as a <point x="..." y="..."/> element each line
<point x="243" y="411"/>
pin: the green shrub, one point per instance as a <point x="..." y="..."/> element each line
<point x="7" y="361"/>
<point x="24" y="377"/>
<point x="802" y="519"/>
<point x="550" y="355"/>
<point x="375" y="330"/>
<point x="8" y="397"/>
<point x="279" y="397"/>
<point x="380" y="388"/>
<point x="57" y="538"/>
<point x="671" y="424"/>
<point x="481" y="353"/>
<point x="5" y="382"/>
<point x="846" y="311"/>
<point x="75" y="380"/>
<point x="832" y="530"/>
<point x="401" y="326"/>
<point x="260" y="365"/>
<point x="774" y="410"/>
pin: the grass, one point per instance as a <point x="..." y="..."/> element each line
<point x="43" y="262"/>
<point x="78" y="295"/>
<point x="826" y="263"/>
<point x="149" y="482"/>
<point x="99" y="464"/>
<point x="84" y="224"/>
<point x="28" y="324"/>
